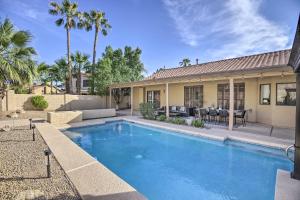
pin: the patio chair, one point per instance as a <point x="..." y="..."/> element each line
<point x="223" y="114"/>
<point x="183" y="111"/>
<point x="240" y="114"/>
<point x="197" y="112"/>
<point x="203" y="113"/>
<point x="173" y="109"/>
<point x="212" y="113"/>
<point x="160" y="111"/>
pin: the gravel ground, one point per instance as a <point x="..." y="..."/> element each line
<point x="23" y="170"/>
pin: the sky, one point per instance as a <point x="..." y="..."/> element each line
<point x="166" y="30"/>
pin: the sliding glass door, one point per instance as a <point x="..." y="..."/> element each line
<point x="193" y="96"/>
<point x="239" y="96"/>
<point x="154" y="97"/>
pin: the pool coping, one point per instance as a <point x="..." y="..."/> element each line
<point x="91" y="179"/>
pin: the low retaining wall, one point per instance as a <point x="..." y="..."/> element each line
<point x="65" y="117"/>
<point x="91" y="179"/>
<point x="98" y="113"/>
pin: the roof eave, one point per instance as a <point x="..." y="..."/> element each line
<point x="294" y="60"/>
<point x="282" y="68"/>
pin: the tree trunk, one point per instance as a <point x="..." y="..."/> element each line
<point x="56" y="87"/>
<point x="94" y="60"/>
<point x="79" y="81"/>
<point x="51" y="85"/>
<point x="69" y="76"/>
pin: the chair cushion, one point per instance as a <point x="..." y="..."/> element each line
<point x="173" y="108"/>
<point x="182" y="109"/>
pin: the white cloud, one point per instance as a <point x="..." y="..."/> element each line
<point x="233" y="27"/>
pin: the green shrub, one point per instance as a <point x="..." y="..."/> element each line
<point x="147" y="110"/>
<point x="39" y="102"/>
<point x="198" y="123"/>
<point x="177" y="120"/>
<point x="161" y="118"/>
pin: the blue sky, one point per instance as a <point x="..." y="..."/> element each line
<point x="166" y="30"/>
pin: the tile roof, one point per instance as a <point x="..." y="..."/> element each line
<point x="252" y="62"/>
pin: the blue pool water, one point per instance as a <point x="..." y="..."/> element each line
<point x="164" y="165"/>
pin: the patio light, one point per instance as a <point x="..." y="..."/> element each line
<point x="47" y="153"/>
<point x="30" y="123"/>
<point x="33" y="133"/>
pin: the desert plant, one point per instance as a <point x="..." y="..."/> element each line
<point x="147" y="110"/>
<point x="177" y="120"/>
<point x="198" y="123"/>
<point x="39" y="102"/>
<point x="161" y="118"/>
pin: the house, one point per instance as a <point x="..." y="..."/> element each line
<point x="84" y="84"/>
<point x="262" y="84"/>
<point x="45" y="89"/>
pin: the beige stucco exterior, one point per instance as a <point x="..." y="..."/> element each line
<point x="275" y="115"/>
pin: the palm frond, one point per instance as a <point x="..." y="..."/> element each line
<point x="21" y="38"/>
<point x="59" y="22"/>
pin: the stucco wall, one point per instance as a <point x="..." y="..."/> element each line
<point x="13" y="102"/>
<point x="278" y="116"/>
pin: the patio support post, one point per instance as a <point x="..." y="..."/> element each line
<point x="296" y="173"/>
<point x="167" y="100"/>
<point x="110" y="97"/>
<point x="231" y="103"/>
<point x="131" y="100"/>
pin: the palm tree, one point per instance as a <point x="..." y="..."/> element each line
<point x="97" y="20"/>
<point x="68" y="12"/>
<point x="16" y="64"/>
<point x="81" y="61"/>
<point x="185" y="62"/>
<point x="62" y="70"/>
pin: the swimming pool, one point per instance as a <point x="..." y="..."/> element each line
<point x="164" y="165"/>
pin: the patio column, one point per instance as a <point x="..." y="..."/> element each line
<point x="231" y="103"/>
<point x="296" y="172"/>
<point x="167" y="100"/>
<point x="131" y="100"/>
<point x="110" y="97"/>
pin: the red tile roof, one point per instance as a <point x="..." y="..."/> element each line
<point x="252" y="62"/>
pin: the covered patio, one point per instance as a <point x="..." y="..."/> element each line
<point x="253" y="91"/>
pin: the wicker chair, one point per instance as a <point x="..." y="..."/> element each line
<point x="213" y="114"/>
<point x="223" y="115"/>
<point x="241" y="114"/>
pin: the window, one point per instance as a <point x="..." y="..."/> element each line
<point x="223" y="96"/>
<point x="193" y="96"/>
<point x="239" y="96"/>
<point x="265" y="94"/>
<point x="154" y="97"/>
<point x="126" y="91"/>
<point x="85" y="83"/>
<point x="286" y="94"/>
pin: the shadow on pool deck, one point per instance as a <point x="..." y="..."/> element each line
<point x="116" y="196"/>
